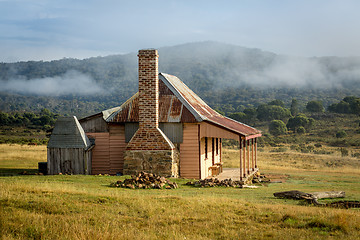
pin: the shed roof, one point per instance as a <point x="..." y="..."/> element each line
<point x="178" y="103"/>
<point x="68" y="133"/>
<point x="201" y="111"/>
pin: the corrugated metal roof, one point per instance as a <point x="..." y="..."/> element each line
<point x="68" y="133"/>
<point x="178" y="103"/>
<point x="200" y="110"/>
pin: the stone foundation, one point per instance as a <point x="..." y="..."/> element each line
<point x="162" y="162"/>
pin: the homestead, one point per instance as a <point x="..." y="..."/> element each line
<point x="165" y="128"/>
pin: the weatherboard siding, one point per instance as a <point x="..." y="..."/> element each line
<point x="117" y="148"/>
<point x="189" y="152"/>
<point x="100" y="153"/>
<point x="108" y="153"/>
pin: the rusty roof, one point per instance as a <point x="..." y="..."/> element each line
<point x="178" y="103"/>
<point x="200" y="110"/>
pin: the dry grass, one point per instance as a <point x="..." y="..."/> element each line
<point x="85" y="207"/>
<point x="21" y="156"/>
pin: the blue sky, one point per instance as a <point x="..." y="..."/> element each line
<point x="49" y="29"/>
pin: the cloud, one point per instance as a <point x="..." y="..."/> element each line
<point x="72" y="82"/>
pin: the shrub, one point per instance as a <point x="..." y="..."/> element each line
<point x="315" y="106"/>
<point x="318" y="145"/>
<point x="277" y="127"/>
<point x="344" y="152"/>
<point x="341" y="134"/>
<point x="301" y="130"/>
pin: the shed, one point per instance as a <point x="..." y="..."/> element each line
<point x="69" y="149"/>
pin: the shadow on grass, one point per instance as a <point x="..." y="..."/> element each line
<point x="17" y="171"/>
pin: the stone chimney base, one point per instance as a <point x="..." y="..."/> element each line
<point x="162" y="162"/>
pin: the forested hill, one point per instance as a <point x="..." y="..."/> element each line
<point x="228" y="77"/>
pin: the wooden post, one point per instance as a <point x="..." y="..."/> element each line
<point x="256" y="153"/>
<point x="244" y="156"/>
<point x="248" y="156"/>
<point x="252" y="155"/>
<point x="241" y="168"/>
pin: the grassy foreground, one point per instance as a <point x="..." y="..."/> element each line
<point x="85" y="207"/>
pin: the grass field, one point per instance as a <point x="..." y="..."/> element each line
<point x="85" y="207"/>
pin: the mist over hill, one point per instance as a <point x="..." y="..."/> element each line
<point x="220" y="73"/>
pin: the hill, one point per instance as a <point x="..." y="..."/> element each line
<point x="226" y="76"/>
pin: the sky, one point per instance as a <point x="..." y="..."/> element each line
<point x="49" y="30"/>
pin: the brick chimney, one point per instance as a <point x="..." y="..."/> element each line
<point x="149" y="149"/>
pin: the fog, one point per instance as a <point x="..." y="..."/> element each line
<point x="72" y="82"/>
<point x="297" y="72"/>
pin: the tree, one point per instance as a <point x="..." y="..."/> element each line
<point x="341" y="107"/>
<point x="277" y="127"/>
<point x="277" y="102"/>
<point x="294" y="108"/>
<point x="272" y="112"/>
<point x="298" y="121"/>
<point x="238" y="116"/>
<point x="315" y="106"/>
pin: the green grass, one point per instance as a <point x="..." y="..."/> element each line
<point x="85" y="207"/>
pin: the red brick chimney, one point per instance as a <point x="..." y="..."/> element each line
<point x="149" y="136"/>
<point x="149" y="149"/>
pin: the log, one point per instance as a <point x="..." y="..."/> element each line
<point x="309" y="196"/>
<point x="293" y="195"/>
<point x="334" y="194"/>
<point x="313" y="198"/>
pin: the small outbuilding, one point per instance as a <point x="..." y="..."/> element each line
<point x="69" y="149"/>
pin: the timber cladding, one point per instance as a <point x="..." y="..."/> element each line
<point x="69" y="161"/>
<point x="108" y="153"/>
<point x="189" y="152"/>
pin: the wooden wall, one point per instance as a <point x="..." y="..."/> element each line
<point x="210" y="130"/>
<point x="189" y="152"/>
<point x="69" y="161"/>
<point x="100" y="153"/>
<point x="117" y="148"/>
<point x="94" y="124"/>
<point x="108" y="153"/>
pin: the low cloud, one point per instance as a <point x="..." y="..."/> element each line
<point x="72" y="82"/>
<point x="300" y="72"/>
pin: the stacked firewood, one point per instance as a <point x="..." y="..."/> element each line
<point x="145" y="180"/>
<point x="214" y="182"/>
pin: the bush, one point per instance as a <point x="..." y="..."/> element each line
<point x="341" y="134"/>
<point x="277" y="127"/>
<point x="344" y="152"/>
<point x="301" y="130"/>
<point x="315" y="106"/>
<point x="318" y="145"/>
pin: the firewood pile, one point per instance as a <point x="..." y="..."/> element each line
<point x="145" y="180"/>
<point x="214" y="182"/>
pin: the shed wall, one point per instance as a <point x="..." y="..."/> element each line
<point x="108" y="153"/>
<point x="100" y="153"/>
<point x="189" y="152"/>
<point x="117" y="148"/>
<point x="69" y="161"/>
<point x="93" y="125"/>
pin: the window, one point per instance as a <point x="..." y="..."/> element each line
<point x="206" y="147"/>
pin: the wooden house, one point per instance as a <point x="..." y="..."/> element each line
<point x="69" y="149"/>
<point x="167" y="129"/>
